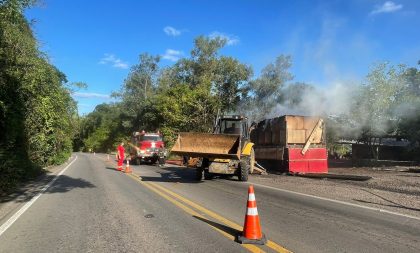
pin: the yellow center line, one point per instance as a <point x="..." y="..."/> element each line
<point x="216" y="216"/>
<point x="153" y="187"/>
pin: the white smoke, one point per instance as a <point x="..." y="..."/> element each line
<point x="335" y="99"/>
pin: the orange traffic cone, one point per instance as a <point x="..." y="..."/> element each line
<point x="252" y="233"/>
<point x="127" y="168"/>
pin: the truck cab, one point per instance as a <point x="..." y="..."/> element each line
<point x="147" y="147"/>
<point x="233" y="124"/>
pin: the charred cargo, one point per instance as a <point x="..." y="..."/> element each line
<point x="290" y="143"/>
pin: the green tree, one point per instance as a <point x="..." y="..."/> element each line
<point x="375" y="104"/>
<point x="101" y="129"/>
<point x="36" y="110"/>
<point x="183" y="109"/>
<point x="138" y="90"/>
<point x="223" y="77"/>
<point x="409" y="126"/>
<point x="264" y="92"/>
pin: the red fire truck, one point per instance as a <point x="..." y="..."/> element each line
<point x="147" y="147"/>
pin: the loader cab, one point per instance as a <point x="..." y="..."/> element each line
<point x="235" y="124"/>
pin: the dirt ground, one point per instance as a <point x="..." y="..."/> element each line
<point x="395" y="188"/>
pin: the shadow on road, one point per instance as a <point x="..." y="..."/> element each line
<point x="174" y="175"/>
<point x="392" y="203"/>
<point x="66" y="183"/>
<point x="62" y="184"/>
<point x="111" y="168"/>
<point x="233" y="232"/>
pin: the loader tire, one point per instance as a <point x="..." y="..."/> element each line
<point x="208" y="175"/>
<point x="199" y="174"/>
<point x="243" y="170"/>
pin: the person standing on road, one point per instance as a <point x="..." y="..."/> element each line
<point x="120" y="156"/>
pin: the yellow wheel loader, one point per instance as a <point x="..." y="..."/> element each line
<point x="227" y="151"/>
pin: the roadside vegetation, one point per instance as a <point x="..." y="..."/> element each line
<point x="37" y="113"/>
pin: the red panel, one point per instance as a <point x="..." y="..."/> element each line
<point x="312" y="153"/>
<point x="314" y="160"/>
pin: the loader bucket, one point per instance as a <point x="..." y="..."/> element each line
<point x="223" y="146"/>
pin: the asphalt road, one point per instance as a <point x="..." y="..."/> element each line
<point x="92" y="207"/>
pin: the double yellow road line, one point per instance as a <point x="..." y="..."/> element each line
<point x="226" y="227"/>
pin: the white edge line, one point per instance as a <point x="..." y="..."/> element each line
<point x="16" y="216"/>
<point x="338" y="201"/>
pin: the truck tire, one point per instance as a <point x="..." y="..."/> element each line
<point x="243" y="171"/>
<point x="161" y="161"/>
<point x="199" y="174"/>
<point x="208" y="175"/>
<point x="153" y="160"/>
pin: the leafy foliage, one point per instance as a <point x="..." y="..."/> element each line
<point x="188" y="95"/>
<point x="184" y="97"/>
<point x="36" y="110"/>
<point x="265" y="92"/>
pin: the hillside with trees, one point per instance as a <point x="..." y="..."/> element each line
<point x="37" y="112"/>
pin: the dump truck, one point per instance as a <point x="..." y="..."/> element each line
<point x="292" y="144"/>
<point x="226" y="151"/>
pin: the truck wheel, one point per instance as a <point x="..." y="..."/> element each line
<point x="199" y="174"/>
<point x="208" y="175"/>
<point x="161" y="161"/>
<point x="243" y="170"/>
<point x="153" y="160"/>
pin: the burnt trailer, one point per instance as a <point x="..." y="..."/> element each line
<point x="290" y="143"/>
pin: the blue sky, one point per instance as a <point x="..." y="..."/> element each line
<point x="330" y="41"/>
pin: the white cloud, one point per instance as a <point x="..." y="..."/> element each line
<point x="91" y="95"/>
<point x="171" y="31"/>
<point x="114" y="61"/>
<point x="230" y="39"/>
<point x="172" y="55"/>
<point x="387" y="7"/>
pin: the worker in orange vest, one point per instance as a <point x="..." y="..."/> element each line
<point x="120" y="156"/>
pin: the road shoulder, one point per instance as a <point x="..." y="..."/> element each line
<point x="12" y="202"/>
<point x="379" y="193"/>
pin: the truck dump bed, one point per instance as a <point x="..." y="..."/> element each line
<point x="291" y="141"/>
<point x="223" y="146"/>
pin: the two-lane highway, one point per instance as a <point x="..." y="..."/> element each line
<point x="92" y="207"/>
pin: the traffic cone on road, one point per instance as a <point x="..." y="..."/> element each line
<point x="252" y="233"/>
<point x="127" y="168"/>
